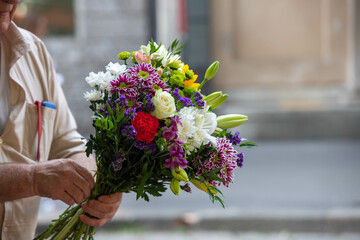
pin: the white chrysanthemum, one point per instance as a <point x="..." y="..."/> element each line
<point x="100" y="79"/>
<point x="115" y="68"/>
<point x="92" y="79"/>
<point x="197" y="126"/>
<point x="93" y="95"/>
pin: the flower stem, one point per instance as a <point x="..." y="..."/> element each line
<point x="69" y="225"/>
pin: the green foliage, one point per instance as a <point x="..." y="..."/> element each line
<point x="175" y="48"/>
<point x="248" y="144"/>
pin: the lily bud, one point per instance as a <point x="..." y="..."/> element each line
<point x="210" y="73"/>
<point x="218" y="130"/>
<point x="180" y="174"/>
<point x="203" y="186"/>
<point x="211" y="98"/>
<point x="231" y="120"/>
<point x="219" y="101"/>
<point x="175" y="186"/>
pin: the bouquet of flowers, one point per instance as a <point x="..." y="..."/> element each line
<point x="155" y="130"/>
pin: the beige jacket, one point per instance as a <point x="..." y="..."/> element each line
<point x="32" y="77"/>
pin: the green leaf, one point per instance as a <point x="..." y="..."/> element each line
<point x="146" y="175"/>
<point x="119" y="114"/>
<point x="248" y="144"/>
<point x="98" y="123"/>
<point x="110" y="125"/>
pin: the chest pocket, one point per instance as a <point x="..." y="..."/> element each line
<point x="23" y="133"/>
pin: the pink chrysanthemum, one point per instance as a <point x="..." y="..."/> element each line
<point x="142" y="72"/>
<point x="153" y="84"/>
<point x="225" y="158"/>
<point x="125" y="86"/>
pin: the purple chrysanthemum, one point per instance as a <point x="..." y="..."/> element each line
<point x="126" y="86"/>
<point x="142" y="72"/>
<point x="226" y="158"/>
<point x="153" y="84"/>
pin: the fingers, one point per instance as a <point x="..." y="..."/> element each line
<point x="85" y="173"/>
<point x="76" y="193"/>
<point x="112" y="198"/>
<point x="64" y="196"/>
<point x="92" y="221"/>
<point x="84" y="186"/>
<point x="101" y="210"/>
<point x="98" y="209"/>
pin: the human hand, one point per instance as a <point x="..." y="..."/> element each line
<point x="62" y="179"/>
<point x="102" y="210"/>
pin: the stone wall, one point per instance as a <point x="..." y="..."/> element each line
<point x="102" y="30"/>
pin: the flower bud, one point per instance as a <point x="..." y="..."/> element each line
<point x="175" y="186"/>
<point x="211" y="98"/>
<point x="231" y="120"/>
<point x="219" y="101"/>
<point x="159" y="71"/>
<point x="180" y="174"/>
<point x="210" y="72"/>
<point x="203" y="186"/>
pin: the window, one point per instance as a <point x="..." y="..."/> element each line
<point x="46" y="17"/>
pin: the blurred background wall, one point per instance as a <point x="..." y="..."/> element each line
<point x="280" y="59"/>
<point x="292" y="66"/>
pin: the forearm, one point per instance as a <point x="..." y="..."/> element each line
<point x="16" y="181"/>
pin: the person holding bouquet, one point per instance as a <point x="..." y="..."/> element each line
<point x="36" y="126"/>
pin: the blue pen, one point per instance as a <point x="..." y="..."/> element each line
<point x="48" y="104"/>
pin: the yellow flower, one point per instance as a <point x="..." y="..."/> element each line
<point x="191" y="81"/>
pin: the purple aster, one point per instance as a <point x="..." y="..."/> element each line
<point x="130" y="112"/>
<point x="176" y="93"/>
<point x="129" y="131"/>
<point x="186" y="101"/>
<point x="119" y="158"/>
<point x="235" y="139"/>
<point x="240" y="159"/>
<point x="142" y="145"/>
<point x="149" y="103"/>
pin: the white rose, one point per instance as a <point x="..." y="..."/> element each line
<point x="164" y="105"/>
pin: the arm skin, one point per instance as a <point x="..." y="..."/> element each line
<point x="26" y="180"/>
<point x="69" y="180"/>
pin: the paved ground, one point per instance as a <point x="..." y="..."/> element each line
<point x="224" y="236"/>
<point x="286" y="190"/>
